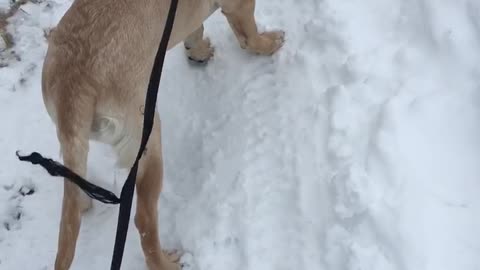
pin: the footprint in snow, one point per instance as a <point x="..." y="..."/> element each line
<point x="14" y="209"/>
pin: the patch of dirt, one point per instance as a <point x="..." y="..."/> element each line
<point x="4" y="35"/>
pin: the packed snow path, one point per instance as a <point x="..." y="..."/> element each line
<point x="357" y="146"/>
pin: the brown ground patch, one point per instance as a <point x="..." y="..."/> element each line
<point x="4" y="22"/>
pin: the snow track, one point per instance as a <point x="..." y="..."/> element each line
<point x="355" y="147"/>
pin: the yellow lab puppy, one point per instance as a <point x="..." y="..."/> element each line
<point x="94" y="82"/>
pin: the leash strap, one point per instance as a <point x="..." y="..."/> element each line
<point x="56" y="169"/>
<point x="148" y="118"/>
<point x="98" y="193"/>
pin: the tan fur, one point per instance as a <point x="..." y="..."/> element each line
<point x="94" y="81"/>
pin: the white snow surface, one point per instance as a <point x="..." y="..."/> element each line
<point x="4" y="5"/>
<point x="355" y="147"/>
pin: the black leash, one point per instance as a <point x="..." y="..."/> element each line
<point x="56" y="169"/>
<point x="95" y="192"/>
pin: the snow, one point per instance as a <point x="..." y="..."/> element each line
<point x="4" y="5"/>
<point x="355" y="147"/>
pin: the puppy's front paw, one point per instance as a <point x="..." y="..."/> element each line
<point x="266" y="43"/>
<point x="201" y="53"/>
<point x="272" y="41"/>
<point x="171" y="260"/>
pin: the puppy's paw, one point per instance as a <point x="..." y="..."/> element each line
<point x="271" y="42"/>
<point x="171" y="260"/>
<point x="201" y="52"/>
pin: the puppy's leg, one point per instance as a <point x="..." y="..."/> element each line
<point x="149" y="185"/>
<point x="240" y="15"/>
<point x="73" y="136"/>
<point x="198" y="49"/>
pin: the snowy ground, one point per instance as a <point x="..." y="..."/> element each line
<point x="356" y="147"/>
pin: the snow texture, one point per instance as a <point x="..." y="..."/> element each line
<point x="4" y="5"/>
<point x="355" y="147"/>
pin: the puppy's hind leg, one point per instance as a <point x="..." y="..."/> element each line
<point x="198" y="49"/>
<point x="149" y="186"/>
<point x="73" y="130"/>
<point x="240" y="16"/>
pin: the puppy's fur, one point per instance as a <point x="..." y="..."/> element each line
<point x="94" y="82"/>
